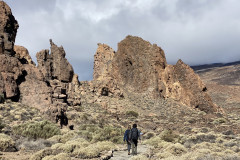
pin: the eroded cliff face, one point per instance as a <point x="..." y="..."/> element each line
<point x="139" y="67"/>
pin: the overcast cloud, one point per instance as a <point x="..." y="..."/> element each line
<point x="196" y="31"/>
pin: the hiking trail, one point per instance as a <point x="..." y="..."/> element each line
<point x="123" y="154"/>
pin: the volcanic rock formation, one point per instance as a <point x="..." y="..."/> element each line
<point x="52" y="84"/>
<point x="8" y="29"/>
<point x="11" y="69"/>
<point x="139" y="67"/>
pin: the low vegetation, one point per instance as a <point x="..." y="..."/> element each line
<point x="107" y="133"/>
<point x="197" y="146"/>
<point x="43" y="129"/>
<point x="6" y="143"/>
<point x="70" y="144"/>
<point x="132" y="113"/>
<point x="1" y="125"/>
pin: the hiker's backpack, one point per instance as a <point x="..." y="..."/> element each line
<point x="134" y="134"/>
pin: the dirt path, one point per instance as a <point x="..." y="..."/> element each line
<point x="123" y="154"/>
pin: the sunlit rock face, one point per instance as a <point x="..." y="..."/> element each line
<point x="138" y="67"/>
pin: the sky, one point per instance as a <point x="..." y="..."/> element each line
<point x="196" y="31"/>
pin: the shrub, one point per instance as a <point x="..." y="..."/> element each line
<point x="41" y="154"/>
<point x="70" y="146"/>
<point x="132" y="113"/>
<point x="60" y="156"/>
<point x="65" y="137"/>
<point x="153" y="141"/>
<point x="94" y="150"/>
<point x="168" y="136"/>
<point x="176" y="149"/>
<point x="1" y="125"/>
<point x="149" y="135"/>
<point x="6" y="143"/>
<point x="106" y="133"/>
<point x="42" y="129"/>
<point x="219" y="121"/>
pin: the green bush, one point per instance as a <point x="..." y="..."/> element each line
<point x="168" y="136"/>
<point x="42" y="129"/>
<point x="6" y="143"/>
<point x="106" y="133"/>
<point x="94" y="150"/>
<point x="132" y="113"/>
<point x="220" y="121"/>
<point x="149" y="135"/>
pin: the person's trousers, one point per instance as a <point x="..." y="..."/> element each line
<point x="134" y="147"/>
<point x="128" y="146"/>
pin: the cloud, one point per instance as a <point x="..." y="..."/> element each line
<point x="198" y="32"/>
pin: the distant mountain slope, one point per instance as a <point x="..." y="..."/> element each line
<point x="223" y="84"/>
<point x="213" y="65"/>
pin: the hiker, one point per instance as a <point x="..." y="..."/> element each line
<point x="63" y="118"/>
<point x="134" y="136"/>
<point x="126" y="138"/>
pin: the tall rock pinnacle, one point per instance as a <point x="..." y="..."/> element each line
<point x="8" y="29"/>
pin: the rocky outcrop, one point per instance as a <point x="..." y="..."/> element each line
<point x="59" y="75"/>
<point x="103" y="61"/>
<point x="8" y="29"/>
<point x="11" y="71"/>
<point x="51" y="84"/>
<point x="21" y="53"/>
<point x="55" y="65"/>
<point x="138" y="67"/>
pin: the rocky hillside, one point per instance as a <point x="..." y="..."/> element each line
<point x="223" y="83"/>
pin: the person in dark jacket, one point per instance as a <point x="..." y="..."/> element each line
<point x="134" y="136"/>
<point x="62" y="117"/>
<point x="126" y="138"/>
